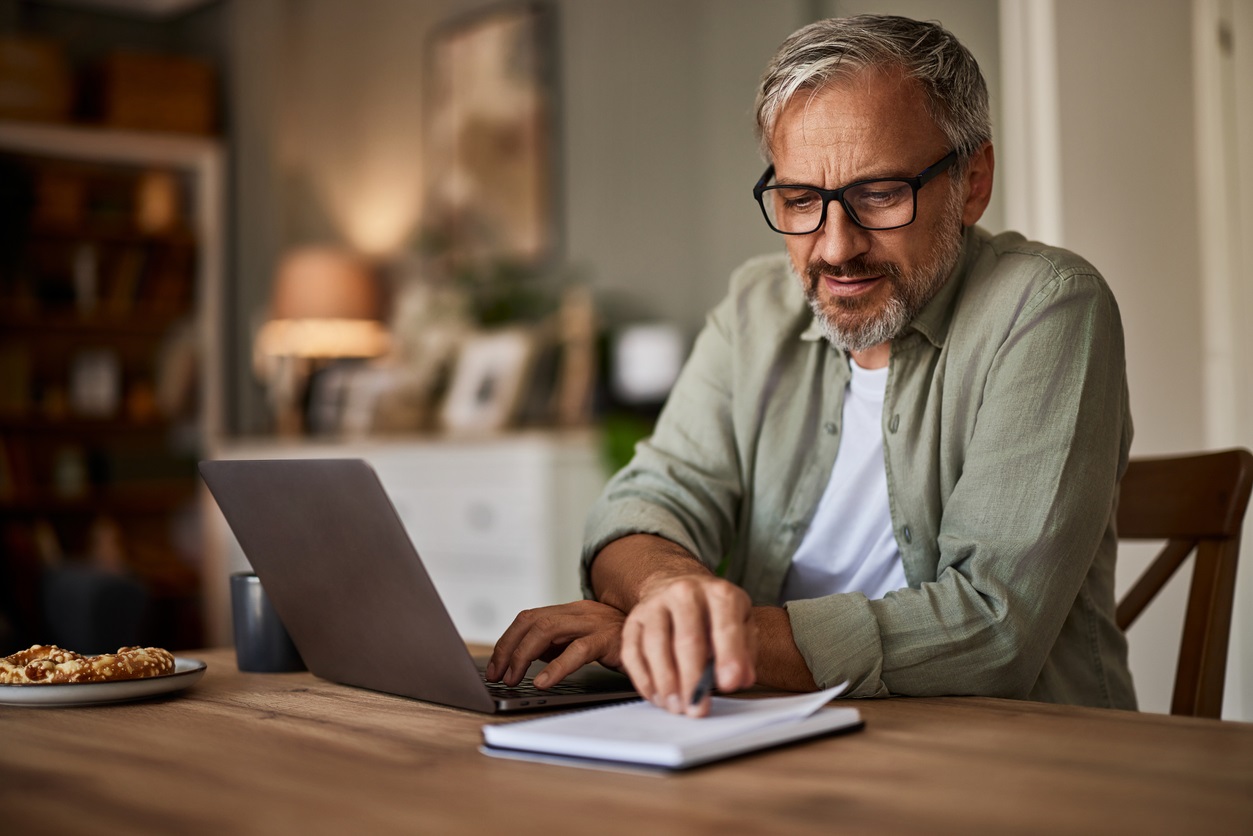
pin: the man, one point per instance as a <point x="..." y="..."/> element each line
<point x="893" y="455"/>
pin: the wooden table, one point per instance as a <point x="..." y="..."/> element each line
<point x="290" y="753"/>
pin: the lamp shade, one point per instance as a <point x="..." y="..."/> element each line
<point x="326" y="303"/>
<point x="324" y="283"/>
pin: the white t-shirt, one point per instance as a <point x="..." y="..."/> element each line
<point x="850" y="545"/>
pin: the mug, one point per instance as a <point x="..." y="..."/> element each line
<point x="262" y="644"/>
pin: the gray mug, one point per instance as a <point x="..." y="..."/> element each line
<point x="262" y="644"/>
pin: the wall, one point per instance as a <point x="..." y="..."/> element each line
<point x="327" y="141"/>
<point x="1129" y="186"/>
<point x="1116" y="216"/>
<point x="1127" y="134"/>
<point x="656" y="110"/>
<point x="659" y="146"/>
<point x="655" y="105"/>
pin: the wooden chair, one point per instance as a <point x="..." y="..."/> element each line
<point x="1194" y="503"/>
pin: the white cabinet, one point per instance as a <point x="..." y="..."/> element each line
<point x="498" y="522"/>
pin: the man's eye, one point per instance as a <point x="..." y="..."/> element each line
<point x="881" y="196"/>
<point x="801" y="201"/>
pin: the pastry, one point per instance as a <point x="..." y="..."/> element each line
<point x="51" y="665"/>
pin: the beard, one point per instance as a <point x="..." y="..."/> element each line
<point x="859" y="323"/>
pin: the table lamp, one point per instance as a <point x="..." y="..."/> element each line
<point x="326" y="305"/>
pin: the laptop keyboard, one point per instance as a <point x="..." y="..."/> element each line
<point x="527" y="688"/>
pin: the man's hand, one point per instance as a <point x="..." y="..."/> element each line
<point x="678" y="626"/>
<point x="681" y="616"/>
<point x="567" y="636"/>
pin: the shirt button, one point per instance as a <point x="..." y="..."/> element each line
<point x="909" y="538"/>
<point x="830" y="427"/>
<point x="894" y="423"/>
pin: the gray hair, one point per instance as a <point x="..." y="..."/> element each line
<point x="841" y="48"/>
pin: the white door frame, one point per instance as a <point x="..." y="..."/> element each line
<point x="1030" y="157"/>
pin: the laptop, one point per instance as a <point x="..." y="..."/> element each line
<point x="347" y="582"/>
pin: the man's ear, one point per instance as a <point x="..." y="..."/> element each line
<point x="977" y="183"/>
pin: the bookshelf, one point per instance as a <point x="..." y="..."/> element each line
<point x="110" y="274"/>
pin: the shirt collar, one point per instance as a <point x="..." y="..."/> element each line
<point x="935" y="317"/>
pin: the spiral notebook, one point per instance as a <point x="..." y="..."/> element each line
<point x="638" y="733"/>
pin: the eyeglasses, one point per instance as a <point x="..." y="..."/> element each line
<point x="871" y="204"/>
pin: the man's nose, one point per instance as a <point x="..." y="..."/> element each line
<point x="840" y="239"/>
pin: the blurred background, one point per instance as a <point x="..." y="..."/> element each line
<point x="472" y="242"/>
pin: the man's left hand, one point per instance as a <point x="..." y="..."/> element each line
<point x="567" y="636"/>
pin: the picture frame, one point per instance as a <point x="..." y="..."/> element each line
<point x="489" y="381"/>
<point x="384" y="400"/>
<point x="490" y="132"/>
<point x="327" y="399"/>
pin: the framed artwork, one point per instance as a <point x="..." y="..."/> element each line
<point x="490" y="128"/>
<point x="489" y="381"/>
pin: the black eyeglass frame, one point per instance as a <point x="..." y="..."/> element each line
<point x="915" y="183"/>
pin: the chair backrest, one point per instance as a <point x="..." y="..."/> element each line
<point x="1194" y="503"/>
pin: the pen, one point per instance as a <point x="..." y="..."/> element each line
<point x="706" y="683"/>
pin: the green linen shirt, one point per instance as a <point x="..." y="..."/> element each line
<point x="1006" y="428"/>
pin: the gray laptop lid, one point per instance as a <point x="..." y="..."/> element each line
<point x="344" y="577"/>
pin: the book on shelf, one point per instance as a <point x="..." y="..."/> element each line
<point x="169" y="285"/>
<point x="8" y="480"/>
<point x="15" y="370"/>
<point x="124" y="284"/>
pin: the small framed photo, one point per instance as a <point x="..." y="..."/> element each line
<point x="489" y="381"/>
<point x="377" y="400"/>
<point x="328" y="397"/>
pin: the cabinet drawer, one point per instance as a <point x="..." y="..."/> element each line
<point x="505" y="567"/>
<point x="482" y="521"/>
<point x="459" y="472"/>
<point x="481" y="608"/>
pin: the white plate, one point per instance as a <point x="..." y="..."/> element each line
<point x="187" y="672"/>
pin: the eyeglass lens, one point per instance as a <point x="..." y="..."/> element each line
<point x="878" y="204"/>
